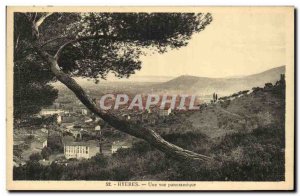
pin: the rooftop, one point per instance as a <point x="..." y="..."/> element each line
<point x="90" y="143"/>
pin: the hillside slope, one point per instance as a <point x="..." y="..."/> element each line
<point x="243" y="114"/>
<point x="224" y="86"/>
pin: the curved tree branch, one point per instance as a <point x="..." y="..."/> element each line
<point x="130" y="128"/>
<point x="52" y="40"/>
<point x="41" y="19"/>
<point x="56" y="56"/>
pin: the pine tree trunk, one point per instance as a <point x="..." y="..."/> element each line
<point x="130" y="128"/>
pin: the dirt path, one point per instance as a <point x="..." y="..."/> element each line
<point x="231" y="113"/>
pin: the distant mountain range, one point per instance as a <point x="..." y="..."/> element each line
<point x="135" y="78"/>
<point x="185" y="84"/>
<point x="223" y="86"/>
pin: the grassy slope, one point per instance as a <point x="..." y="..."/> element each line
<point x="243" y="114"/>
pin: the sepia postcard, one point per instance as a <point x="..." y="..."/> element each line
<point x="150" y="98"/>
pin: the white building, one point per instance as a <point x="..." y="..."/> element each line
<point x="165" y="112"/>
<point x="97" y="119"/>
<point x="88" y="120"/>
<point x="81" y="150"/>
<point x="126" y="116"/>
<point x="98" y="128"/>
<point x="38" y="144"/>
<point x="50" y="111"/>
<point x="45" y="143"/>
<point x="84" y="111"/>
<point x="58" y="119"/>
<point x="149" y="110"/>
<point x="119" y="145"/>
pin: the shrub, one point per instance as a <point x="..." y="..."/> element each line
<point x="122" y="173"/>
<point x="100" y="160"/>
<point x="141" y="147"/>
<point x="35" y="156"/>
<point x="225" y="103"/>
<point x="46" y="152"/>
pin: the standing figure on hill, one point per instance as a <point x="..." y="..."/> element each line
<point x="215" y="97"/>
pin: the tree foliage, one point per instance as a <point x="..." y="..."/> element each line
<point x="107" y="42"/>
<point x="31" y="88"/>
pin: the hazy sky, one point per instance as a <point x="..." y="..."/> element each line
<point x="233" y="44"/>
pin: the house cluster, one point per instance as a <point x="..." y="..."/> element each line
<point x="75" y="121"/>
<point x="148" y="116"/>
<point x="73" y="118"/>
<point x="77" y="125"/>
<point x="32" y="141"/>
